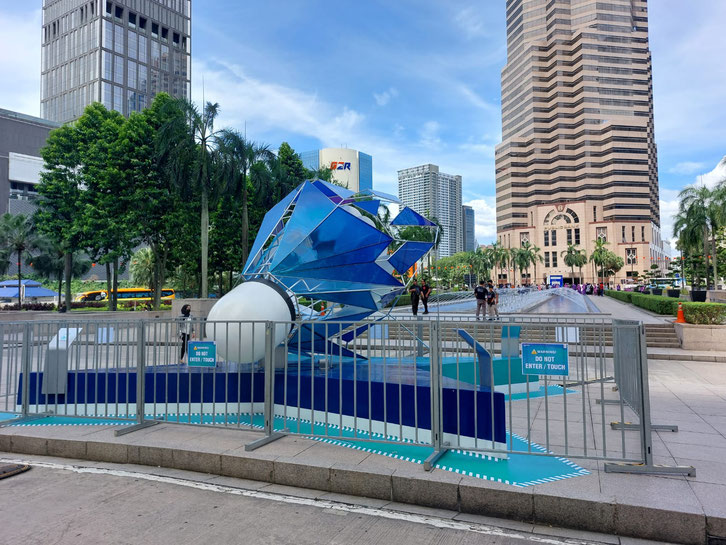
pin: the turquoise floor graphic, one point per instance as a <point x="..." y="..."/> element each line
<point x="519" y="470"/>
<point x="8" y="416"/>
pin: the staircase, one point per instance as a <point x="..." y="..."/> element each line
<point x="661" y="336"/>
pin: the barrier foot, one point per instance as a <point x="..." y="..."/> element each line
<point x="430" y="462"/>
<point x="23" y="419"/>
<point x="607" y="401"/>
<point x="136" y="427"/>
<point x="631" y="426"/>
<point x="263" y="441"/>
<point x="690" y="471"/>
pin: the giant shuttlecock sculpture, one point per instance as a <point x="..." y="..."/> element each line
<point x="323" y="243"/>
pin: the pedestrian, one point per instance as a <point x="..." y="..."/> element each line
<point x="480" y="292"/>
<point x="415" y="292"/>
<point x="492" y="302"/>
<point x="186" y="330"/>
<point x="601" y="289"/>
<point x="425" y="293"/>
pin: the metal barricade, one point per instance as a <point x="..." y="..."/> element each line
<point x="449" y="383"/>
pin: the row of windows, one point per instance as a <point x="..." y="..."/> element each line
<point x="141" y="23"/>
<point x="69" y="75"/>
<point x="70" y="105"/>
<point x="550" y="262"/>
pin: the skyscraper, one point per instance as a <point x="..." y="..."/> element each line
<point x="468" y="228"/>
<point x="120" y="53"/>
<point x="438" y="196"/>
<point x="578" y="159"/>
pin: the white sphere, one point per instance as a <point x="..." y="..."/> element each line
<point x="255" y="301"/>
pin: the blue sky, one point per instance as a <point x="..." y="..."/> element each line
<point x="409" y="82"/>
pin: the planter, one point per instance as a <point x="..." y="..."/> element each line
<point x="657" y="291"/>
<point x="701" y="337"/>
<point x="674" y="293"/>
<point x="698" y="296"/>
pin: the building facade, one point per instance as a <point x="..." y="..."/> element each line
<point x="353" y="169"/>
<point x="21" y="138"/>
<point x="578" y="160"/>
<point x="120" y="53"/>
<point x="468" y="228"/>
<point x="435" y="195"/>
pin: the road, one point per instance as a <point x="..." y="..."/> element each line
<point x="57" y="503"/>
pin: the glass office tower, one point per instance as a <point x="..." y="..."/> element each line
<point x="120" y="53"/>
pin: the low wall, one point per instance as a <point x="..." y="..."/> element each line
<point x="200" y="307"/>
<point x="716" y="296"/>
<point x="701" y="337"/>
<point x="45" y="316"/>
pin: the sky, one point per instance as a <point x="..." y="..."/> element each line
<point x="409" y="82"/>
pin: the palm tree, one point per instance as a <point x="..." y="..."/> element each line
<point x="191" y="138"/>
<point x="513" y="261"/>
<point x="242" y="162"/>
<point x="528" y="255"/>
<point x="500" y="257"/>
<point x="599" y="255"/>
<point x="574" y="257"/>
<point x="18" y="236"/>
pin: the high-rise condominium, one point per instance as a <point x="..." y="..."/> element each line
<point x="435" y="195"/>
<point x="469" y="228"/>
<point x="578" y="161"/>
<point x="120" y="53"/>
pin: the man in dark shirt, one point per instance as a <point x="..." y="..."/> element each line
<point x="425" y="292"/>
<point x="480" y="292"/>
<point x="415" y="292"/>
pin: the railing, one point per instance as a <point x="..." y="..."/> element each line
<point x="446" y="384"/>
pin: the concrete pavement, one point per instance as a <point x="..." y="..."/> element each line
<point x="673" y="508"/>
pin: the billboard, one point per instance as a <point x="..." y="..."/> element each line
<point x="344" y="164"/>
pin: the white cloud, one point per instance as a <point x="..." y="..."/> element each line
<point x="20" y="62"/>
<point x="470" y="22"/>
<point x="718" y="174"/>
<point x="485" y="217"/>
<point x="385" y="97"/>
<point x="687" y="167"/>
<point x="429" y="135"/>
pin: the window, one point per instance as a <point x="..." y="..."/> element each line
<point x="155" y="30"/>
<point x="131" y="77"/>
<point x="142" y="23"/>
<point x="546" y="238"/>
<point x="107" y="95"/>
<point x="118" y="69"/>
<point x="118" y="99"/>
<point x="132" y="101"/>
<point x="118" y="39"/>
<point x="554" y="259"/>
<point x="642" y="233"/>
<point x="176" y="39"/>
<point x="623" y="233"/>
<point x="546" y="259"/>
<point x="577" y="236"/>
<point x="108" y="34"/>
<point x="119" y="12"/>
<point x="107" y="69"/>
<point x="554" y="238"/>
<point x="569" y="236"/>
<point x="133" y="45"/>
<point x="632" y="231"/>
<point x="109" y="8"/>
<point x="141" y="75"/>
<point x="143" y="56"/>
<point x="594" y="213"/>
<point x="631" y="256"/>
<point x="164" y="34"/>
<point x="132" y="19"/>
<point x="602" y="234"/>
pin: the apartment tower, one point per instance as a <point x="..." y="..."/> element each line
<point x="435" y="195"/>
<point x="120" y="53"/>
<point x="469" y="228"/>
<point x="578" y="160"/>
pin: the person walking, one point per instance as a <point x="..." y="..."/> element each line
<point x="186" y="330"/>
<point x="480" y="292"/>
<point x="415" y="292"/>
<point x="425" y="293"/>
<point x="492" y="302"/>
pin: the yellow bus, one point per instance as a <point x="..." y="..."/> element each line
<point x="126" y="294"/>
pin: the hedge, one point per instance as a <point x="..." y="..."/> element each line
<point x="30" y="306"/>
<point x="653" y="303"/>
<point x="704" y="313"/>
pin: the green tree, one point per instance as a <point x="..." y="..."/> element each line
<point x="60" y="207"/>
<point x="189" y="141"/>
<point x="574" y="257"/>
<point x="18" y="237"/>
<point x="107" y="233"/>
<point x="50" y="262"/>
<point x="599" y="256"/>
<point x="142" y="269"/>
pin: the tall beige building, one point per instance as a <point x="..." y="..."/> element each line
<point x="578" y="159"/>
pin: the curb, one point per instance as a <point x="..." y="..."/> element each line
<point x="418" y="488"/>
